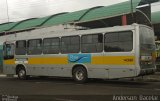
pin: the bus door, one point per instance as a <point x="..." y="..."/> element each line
<point x="8" y="55"/>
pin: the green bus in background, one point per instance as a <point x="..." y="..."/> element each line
<point x="1" y="58"/>
<point x="158" y="55"/>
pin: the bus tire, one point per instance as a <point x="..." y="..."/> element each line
<point x="21" y="72"/>
<point x="80" y="74"/>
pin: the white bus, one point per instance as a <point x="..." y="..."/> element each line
<point x="157" y="55"/>
<point x="106" y="53"/>
<point x="157" y="48"/>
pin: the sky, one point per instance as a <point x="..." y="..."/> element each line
<point x="24" y="9"/>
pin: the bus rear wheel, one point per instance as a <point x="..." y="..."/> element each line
<point x="22" y="74"/>
<point x="80" y="74"/>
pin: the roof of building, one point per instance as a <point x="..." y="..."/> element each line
<point x="64" y="18"/>
<point x="7" y="26"/>
<point x="110" y="11"/>
<point x="78" y="16"/>
<point x="25" y="24"/>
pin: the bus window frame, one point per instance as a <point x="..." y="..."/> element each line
<point x="79" y="50"/>
<point x="40" y="47"/>
<point x="119" y="41"/>
<point x="59" y="39"/>
<point x="102" y="47"/>
<point x="24" y="47"/>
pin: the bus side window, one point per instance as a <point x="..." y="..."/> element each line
<point x="34" y="47"/>
<point x="70" y="44"/>
<point x="8" y="51"/>
<point x="20" y="47"/>
<point x="51" y="45"/>
<point x="92" y="43"/>
<point x="118" y="41"/>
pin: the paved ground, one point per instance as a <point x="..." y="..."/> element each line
<point x="155" y="77"/>
<point x="65" y="89"/>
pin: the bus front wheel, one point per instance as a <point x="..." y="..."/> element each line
<point x="80" y="74"/>
<point x="22" y="73"/>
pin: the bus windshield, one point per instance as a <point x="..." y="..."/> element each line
<point x="158" y="49"/>
<point x="147" y="41"/>
<point x="147" y="48"/>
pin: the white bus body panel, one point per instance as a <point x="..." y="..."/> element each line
<point x="94" y="71"/>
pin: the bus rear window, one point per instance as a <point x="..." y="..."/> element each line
<point x="146" y="36"/>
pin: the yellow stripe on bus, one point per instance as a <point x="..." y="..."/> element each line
<point x="113" y="60"/>
<point x="48" y="60"/>
<point x="103" y="60"/>
<point x="9" y="62"/>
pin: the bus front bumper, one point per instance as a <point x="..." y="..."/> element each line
<point x="147" y="72"/>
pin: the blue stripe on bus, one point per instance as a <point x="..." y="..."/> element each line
<point x="79" y="58"/>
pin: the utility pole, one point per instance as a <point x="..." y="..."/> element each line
<point x="131" y="6"/>
<point x="132" y="11"/>
<point x="7" y="11"/>
<point x="7" y="17"/>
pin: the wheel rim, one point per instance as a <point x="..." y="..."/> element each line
<point x="22" y="73"/>
<point x="79" y="75"/>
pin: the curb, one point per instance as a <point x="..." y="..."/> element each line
<point x="148" y="79"/>
<point x="3" y="75"/>
<point x="153" y="78"/>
